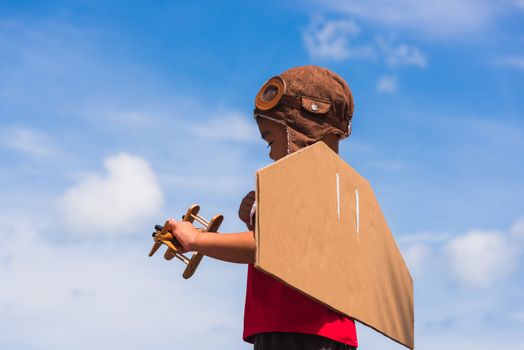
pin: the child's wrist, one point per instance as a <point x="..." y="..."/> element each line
<point x="195" y="244"/>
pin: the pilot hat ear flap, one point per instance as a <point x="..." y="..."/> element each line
<point x="297" y="140"/>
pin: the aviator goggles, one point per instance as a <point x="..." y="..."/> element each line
<point x="272" y="93"/>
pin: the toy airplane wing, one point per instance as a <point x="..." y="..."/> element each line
<point x="155" y="247"/>
<point x="162" y="236"/>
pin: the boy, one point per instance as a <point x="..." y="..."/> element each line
<point x="299" y="107"/>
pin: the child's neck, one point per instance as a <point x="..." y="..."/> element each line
<point x="332" y="141"/>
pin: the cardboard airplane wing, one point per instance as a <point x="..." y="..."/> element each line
<point x="320" y="230"/>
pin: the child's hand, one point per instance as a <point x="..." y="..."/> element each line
<point x="184" y="232"/>
<point x="244" y="211"/>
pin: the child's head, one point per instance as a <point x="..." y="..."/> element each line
<point x="302" y="106"/>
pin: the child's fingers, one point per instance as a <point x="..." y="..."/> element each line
<point x="244" y="210"/>
<point x="247" y="202"/>
<point x="250" y="196"/>
<point x="244" y="215"/>
<point x="245" y="207"/>
<point x="171" y="224"/>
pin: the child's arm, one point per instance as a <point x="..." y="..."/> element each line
<point x="231" y="247"/>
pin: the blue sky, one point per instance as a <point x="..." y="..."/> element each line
<point x="102" y="105"/>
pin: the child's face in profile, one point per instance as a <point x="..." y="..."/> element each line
<point x="275" y="135"/>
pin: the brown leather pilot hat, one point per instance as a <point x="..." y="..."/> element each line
<point x="310" y="101"/>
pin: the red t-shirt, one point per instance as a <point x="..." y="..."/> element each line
<point x="271" y="306"/>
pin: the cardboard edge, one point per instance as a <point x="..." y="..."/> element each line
<point x="258" y="267"/>
<point x="257" y="230"/>
<point x="295" y="154"/>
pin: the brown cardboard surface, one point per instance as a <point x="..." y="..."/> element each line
<point x="332" y="247"/>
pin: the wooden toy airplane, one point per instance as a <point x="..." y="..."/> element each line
<point x="161" y="236"/>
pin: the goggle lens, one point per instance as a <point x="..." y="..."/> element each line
<point x="270" y="94"/>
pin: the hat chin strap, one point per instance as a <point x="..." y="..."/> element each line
<point x="280" y="122"/>
<point x="298" y="140"/>
<point x="295" y="140"/>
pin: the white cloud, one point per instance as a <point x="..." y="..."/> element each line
<point x="479" y="258"/>
<point x="416" y="257"/>
<point x="333" y="40"/>
<point x="387" y="84"/>
<point x="124" y="197"/>
<point x="29" y="141"/>
<point x="337" y="40"/>
<point x="110" y="295"/>
<point x="475" y="258"/>
<point x="401" y="54"/>
<point x="441" y="19"/>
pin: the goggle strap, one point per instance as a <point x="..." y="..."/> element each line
<point x="291" y="101"/>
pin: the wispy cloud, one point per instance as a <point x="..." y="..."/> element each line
<point x="123" y="197"/>
<point x="440" y="19"/>
<point x="225" y="126"/>
<point x="129" y="117"/>
<point x="334" y="40"/>
<point x="517" y="229"/>
<point x="520" y="3"/>
<point x="416" y="257"/>
<point x="30" y="141"/>
<point x="340" y="40"/>
<point x="398" y="54"/>
<point x="516" y="62"/>
<point x="387" y="84"/>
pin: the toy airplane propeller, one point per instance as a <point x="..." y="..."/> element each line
<point x="162" y="236"/>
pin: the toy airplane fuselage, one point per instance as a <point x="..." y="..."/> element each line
<point x="163" y="236"/>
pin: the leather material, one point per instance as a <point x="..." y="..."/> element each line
<point x="316" y="102"/>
